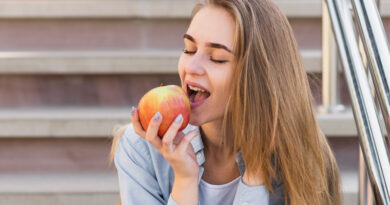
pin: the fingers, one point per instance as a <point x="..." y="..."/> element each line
<point x="172" y="140"/>
<point x="182" y="147"/>
<point x="151" y="134"/>
<point x="136" y="123"/>
<point x="178" y="138"/>
<point x="167" y="140"/>
<point x="152" y="130"/>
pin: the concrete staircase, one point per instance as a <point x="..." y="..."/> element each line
<point x="69" y="71"/>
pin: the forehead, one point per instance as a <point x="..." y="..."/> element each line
<point x="212" y="24"/>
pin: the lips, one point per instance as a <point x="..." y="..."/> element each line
<point x="197" y="93"/>
<point x="195" y="85"/>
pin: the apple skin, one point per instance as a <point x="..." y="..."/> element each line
<point x="170" y="101"/>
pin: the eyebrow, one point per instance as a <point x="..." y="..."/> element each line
<point x="209" y="44"/>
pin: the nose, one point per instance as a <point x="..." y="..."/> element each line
<point x="195" y="65"/>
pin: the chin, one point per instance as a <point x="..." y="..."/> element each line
<point x="196" y="121"/>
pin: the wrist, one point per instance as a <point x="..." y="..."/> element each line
<point x="186" y="177"/>
<point x="185" y="190"/>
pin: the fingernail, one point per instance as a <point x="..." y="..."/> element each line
<point x="157" y="116"/>
<point x="132" y="111"/>
<point x="179" y="118"/>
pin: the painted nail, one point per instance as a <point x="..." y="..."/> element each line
<point x="179" y="118"/>
<point x="133" y="111"/>
<point x="157" y="116"/>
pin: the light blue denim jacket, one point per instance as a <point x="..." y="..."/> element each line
<point x="146" y="177"/>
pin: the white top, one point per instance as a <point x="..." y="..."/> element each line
<point x="211" y="194"/>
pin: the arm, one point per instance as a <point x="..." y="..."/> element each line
<point x="185" y="190"/>
<point x="175" y="147"/>
<point x="137" y="182"/>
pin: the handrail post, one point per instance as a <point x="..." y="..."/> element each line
<point x="366" y="196"/>
<point x="329" y="67"/>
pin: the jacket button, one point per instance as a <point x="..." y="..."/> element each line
<point x="199" y="155"/>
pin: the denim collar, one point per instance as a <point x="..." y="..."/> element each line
<point x="198" y="146"/>
<point x="277" y="198"/>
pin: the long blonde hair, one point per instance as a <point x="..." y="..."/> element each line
<point x="270" y="111"/>
<point x="270" y="115"/>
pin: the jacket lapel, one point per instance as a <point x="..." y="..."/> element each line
<point x="276" y="198"/>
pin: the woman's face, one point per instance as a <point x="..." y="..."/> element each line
<point x="206" y="63"/>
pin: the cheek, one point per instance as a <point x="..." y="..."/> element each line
<point x="180" y="67"/>
<point x="229" y="78"/>
<point x="224" y="85"/>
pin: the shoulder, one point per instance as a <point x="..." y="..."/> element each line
<point x="134" y="155"/>
<point x="133" y="146"/>
<point x="131" y="143"/>
<point x="129" y="136"/>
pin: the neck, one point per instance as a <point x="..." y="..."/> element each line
<point x="212" y="138"/>
<point x="220" y="166"/>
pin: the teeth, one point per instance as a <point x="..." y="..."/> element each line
<point x="196" y="88"/>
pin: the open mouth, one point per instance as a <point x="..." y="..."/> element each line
<point x="197" y="94"/>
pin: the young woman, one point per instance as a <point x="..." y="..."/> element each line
<point x="252" y="138"/>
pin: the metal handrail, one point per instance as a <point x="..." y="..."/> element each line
<point x="377" y="51"/>
<point x="371" y="138"/>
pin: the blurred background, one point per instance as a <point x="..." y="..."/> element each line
<point x="70" y="71"/>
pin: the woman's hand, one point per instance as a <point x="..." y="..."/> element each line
<point x="175" y="147"/>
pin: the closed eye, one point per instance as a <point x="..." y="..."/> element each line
<point x="188" y="52"/>
<point x="213" y="60"/>
<point x="218" y="61"/>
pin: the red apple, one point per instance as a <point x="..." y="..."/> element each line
<point x="170" y="101"/>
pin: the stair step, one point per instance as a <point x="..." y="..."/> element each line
<point x="100" y="122"/>
<point x="350" y="187"/>
<point x="89" y="62"/>
<point x="93" y="188"/>
<point x="136" y="8"/>
<point x="96" y="9"/>
<point x="61" y="122"/>
<point x="338" y="124"/>
<point x="58" y="183"/>
<point x="60" y="199"/>
<point x="128" y="9"/>
<point x="109" y="62"/>
<point x="59" y="188"/>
